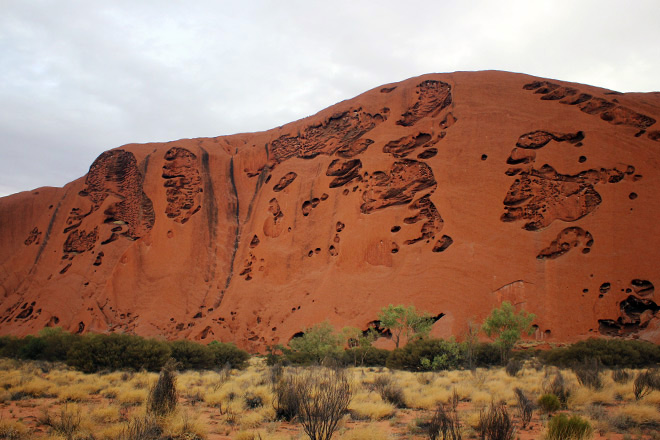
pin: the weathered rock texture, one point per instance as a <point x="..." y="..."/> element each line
<point x="452" y="192"/>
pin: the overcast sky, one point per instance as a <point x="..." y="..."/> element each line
<point x="80" y="77"/>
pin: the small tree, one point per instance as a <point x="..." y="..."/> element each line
<point x="317" y="343"/>
<point x="405" y="322"/>
<point x="359" y="343"/>
<point x="323" y="396"/>
<point x="507" y="327"/>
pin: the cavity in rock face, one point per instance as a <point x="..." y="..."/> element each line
<point x="432" y="97"/>
<point x="399" y="186"/>
<point x="344" y="171"/>
<point x="116" y="173"/>
<point x="285" y="181"/>
<point x="543" y="195"/>
<point x="567" y="239"/>
<point x="341" y="132"/>
<point x="183" y="184"/>
<point x="607" y="110"/>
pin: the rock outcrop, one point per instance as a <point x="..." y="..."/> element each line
<point x="452" y="192"/>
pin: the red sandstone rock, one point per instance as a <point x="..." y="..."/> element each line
<point x="452" y="192"/>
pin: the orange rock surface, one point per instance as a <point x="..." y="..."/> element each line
<point x="452" y="192"/>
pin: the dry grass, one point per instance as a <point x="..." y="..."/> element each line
<point x="239" y="404"/>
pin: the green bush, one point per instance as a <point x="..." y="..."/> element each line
<point x="622" y="353"/>
<point x="560" y="427"/>
<point x="549" y="403"/>
<point x="51" y="344"/>
<point x="318" y="343"/>
<point x="228" y="353"/>
<point x="365" y="357"/>
<point x="10" y="346"/>
<point x="191" y="355"/>
<point x="95" y="352"/>
<point x="426" y="355"/>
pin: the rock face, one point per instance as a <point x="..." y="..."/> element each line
<point x="452" y="192"/>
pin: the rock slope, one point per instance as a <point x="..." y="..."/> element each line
<point x="452" y="192"/>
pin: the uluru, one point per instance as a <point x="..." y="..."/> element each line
<point x="451" y="192"/>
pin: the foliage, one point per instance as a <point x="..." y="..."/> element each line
<point x="495" y="423"/>
<point x="359" y="347"/>
<point x="557" y="386"/>
<point x="365" y="357"/>
<point x="513" y="367"/>
<point x="163" y="396"/>
<point x="227" y="353"/>
<point x="560" y="427"/>
<point x="389" y="391"/>
<point x="507" y="327"/>
<point x="645" y="382"/>
<point x="323" y="397"/>
<point x="445" y="421"/>
<point x="588" y="373"/>
<point x="405" y="323"/>
<point x="286" y="399"/>
<point x="141" y="428"/>
<point x="318" y="342"/>
<point x="95" y="352"/>
<point x="549" y="403"/>
<point x="612" y="353"/>
<point x="620" y="376"/>
<point x="426" y="355"/>
<point x="191" y="355"/>
<point x="525" y="406"/>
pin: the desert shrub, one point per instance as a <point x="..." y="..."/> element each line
<point x="622" y="353"/>
<point x="191" y="355"/>
<point x="560" y="427"/>
<point x="588" y="373"/>
<point x="426" y="355"/>
<point x="445" y="421"/>
<point x="10" y="346"/>
<point x="620" y="375"/>
<point x="252" y="400"/>
<point x="549" y="403"/>
<point x="525" y="407"/>
<point x="645" y="382"/>
<point x="323" y="396"/>
<point x="557" y="386"/>
<point x="389" y="391"/>
<point x="66" y="423"/>
<point x="365" y="356"/>
<point x="95" y="352"/>
<point x="163" y="396"/>
<point x="227" y="353"/>
<point x="513" y="367"/>
<point x="318" y="343"/>
<point x="495" y="423"/>
<point x="486" y="355"/>
<point x="11" y="430"/>
<point x="286" y="399"/>
<point x="141" y="428"/>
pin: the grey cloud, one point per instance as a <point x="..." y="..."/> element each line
<point x="77" y="78"/>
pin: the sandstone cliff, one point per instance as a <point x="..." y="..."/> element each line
<point x="452" y="192"/>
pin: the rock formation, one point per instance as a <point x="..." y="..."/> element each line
<point x="452" y="192"/>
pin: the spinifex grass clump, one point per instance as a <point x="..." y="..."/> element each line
<point x="445" y="421"/>
<point x="561" y="427"/>
<point x="557" y="386"/>
<point x="645" y="382"/>
<point x="588" y="373"/>
<point x="163" y="396"/>
<point x="525" y="407"/>
<point x="495" y="423"/>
